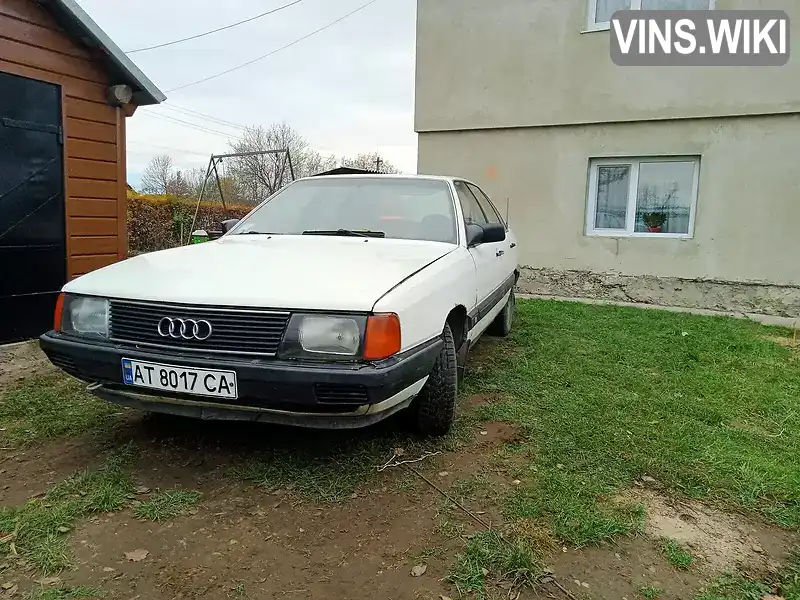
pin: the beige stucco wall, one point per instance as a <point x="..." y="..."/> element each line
<point x="748" y="215"/>
<point x="509" y="63"/>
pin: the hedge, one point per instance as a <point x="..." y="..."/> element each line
<point x="159" y="222"/>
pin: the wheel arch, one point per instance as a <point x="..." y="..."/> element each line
<point x="457" y="319"/>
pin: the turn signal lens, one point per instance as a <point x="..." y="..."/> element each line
<point x="382" y="338"/>
<point x="57" y="313"/>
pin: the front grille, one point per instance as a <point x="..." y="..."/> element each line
<point x="234" y="330"/>
<point x="329" y="393"/>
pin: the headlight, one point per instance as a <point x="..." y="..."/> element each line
<point x="330" y="335"/>
<point x="85" y="315"/>
<point x="321" y="336"/>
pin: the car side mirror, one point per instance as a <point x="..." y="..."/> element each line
<point x="229" y="224"/>
<point x="486" y="234"/>
<point x="494" y="232"/>
<point x="474" y="235"/>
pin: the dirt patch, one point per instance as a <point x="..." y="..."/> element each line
<point x="247" y="543"/>
<point x="478" y="400"/>
<point x="28" y="473"/>
<point x="18" y="361"/>
<point x="618" y="571"/>
<point x="497" y="432"/>
<point x="718" y="541"/>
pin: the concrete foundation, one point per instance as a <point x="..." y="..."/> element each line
<point x="783" y="301"/>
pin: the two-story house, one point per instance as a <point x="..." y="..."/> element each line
<point x="672" y="185"/>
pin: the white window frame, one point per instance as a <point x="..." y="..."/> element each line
<point x="634" y="162"/>
<point x="606" y="25"/>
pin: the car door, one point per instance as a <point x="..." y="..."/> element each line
<point x="509" y="255"/>
<point x="488" y="273"/>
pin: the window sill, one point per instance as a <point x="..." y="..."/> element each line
<point x="625" y="234"/>
<point x="597" y="28"/>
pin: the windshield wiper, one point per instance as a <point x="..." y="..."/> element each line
<point x="346" y="233"/>
<point x="258" y="233"/>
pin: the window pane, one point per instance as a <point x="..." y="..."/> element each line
<point x="469" y="205"/>
<point x="488" y="208"/>
<point x="606" y="8"/>
<point x="613" y="185"/>
<point x="664" y="197"/>
<point x="675" y="4"/>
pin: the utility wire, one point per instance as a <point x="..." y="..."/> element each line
<point x="205" y="33"/>
<point x="196" y="113"/>
<point x="196" y="126"/>
<point x="289" y="45"/>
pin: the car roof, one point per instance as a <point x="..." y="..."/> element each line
<point x="446" y="178"/>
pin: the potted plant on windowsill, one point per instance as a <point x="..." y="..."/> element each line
<point x="654" y="221"/>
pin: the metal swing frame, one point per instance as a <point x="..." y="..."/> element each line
<point x="216" y="159"/>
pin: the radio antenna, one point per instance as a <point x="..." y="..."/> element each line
<point x="508" y="205"/>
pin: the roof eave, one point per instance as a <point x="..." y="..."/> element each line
<point x="145" y="91"/>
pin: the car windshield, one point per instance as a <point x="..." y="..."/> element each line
<point x="409" y="209"/>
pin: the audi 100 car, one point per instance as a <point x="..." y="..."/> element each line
<point x="338" y="301"/>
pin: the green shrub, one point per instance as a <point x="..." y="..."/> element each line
<point x="160" y="222"/>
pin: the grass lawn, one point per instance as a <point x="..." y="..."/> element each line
<point x="51" y="406"/>
<point x="38" y="530"/>
<point x="709" y="407"/>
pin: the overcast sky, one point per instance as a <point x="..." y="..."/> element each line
<point x="348" y="89"/>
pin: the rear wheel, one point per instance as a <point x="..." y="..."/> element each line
<point x="434" y="409"/>
<point x="501" y="326"/>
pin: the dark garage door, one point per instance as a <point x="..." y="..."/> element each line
<point x="32" y="229"/>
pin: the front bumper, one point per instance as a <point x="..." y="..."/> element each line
<point x="301" y="393"/>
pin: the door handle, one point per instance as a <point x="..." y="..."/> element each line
<point x="500" y="253"/>
<point x="514" y="245"/>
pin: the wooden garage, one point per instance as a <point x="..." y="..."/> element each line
<point x="65" y="92"/>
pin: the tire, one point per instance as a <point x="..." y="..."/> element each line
<point x="501" y="326"/>
<point x="434" y="410"/>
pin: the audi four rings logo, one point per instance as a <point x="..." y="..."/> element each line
<point x="187" y="329"/>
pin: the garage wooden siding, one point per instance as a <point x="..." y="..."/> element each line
<point x="32" y="45"/>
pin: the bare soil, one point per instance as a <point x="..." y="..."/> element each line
<point x="719" y="541"/>
<point x="21" y="360"/>
<point x="245" y="541"/>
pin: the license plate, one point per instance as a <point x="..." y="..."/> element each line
<point x="200" y="382"/>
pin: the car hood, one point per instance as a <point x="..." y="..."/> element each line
<point x="282" y="271"/>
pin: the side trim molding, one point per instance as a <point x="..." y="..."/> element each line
<point x="485" y="307"/>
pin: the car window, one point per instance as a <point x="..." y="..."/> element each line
<point x="488" y="207"/>
<point x="414" y="209"/>
<point x="473" y="213"/>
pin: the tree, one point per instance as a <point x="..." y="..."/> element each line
<point x="179" y="186"/>
<point x="372" y="161"/>
<point x="259" y="176"/>
<point x="312" y="163"/>
<point x="158" y="176"/>
<point x="262" y="175"/>
<point x="194" y="181"/>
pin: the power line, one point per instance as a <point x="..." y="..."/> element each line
<point x="196" y="113"/>
<point x="205" y="33"/>
<point x="289" y="45"/>
<point x="191" y="125"/>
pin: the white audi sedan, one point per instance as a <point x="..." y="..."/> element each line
<point x="338" y="301"/>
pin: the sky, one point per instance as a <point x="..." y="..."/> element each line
<point x="347" y="90"/>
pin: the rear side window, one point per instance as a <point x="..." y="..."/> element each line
<point x="491" y="212"/>
<point x="473" y="213"/>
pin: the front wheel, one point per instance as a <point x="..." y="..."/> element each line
<point x="501" y="326"/>
<point x="434" y="410"/>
